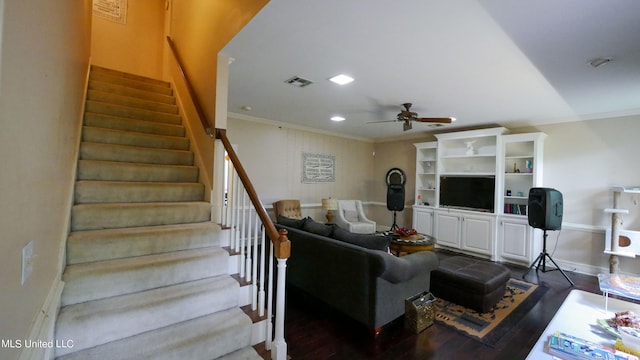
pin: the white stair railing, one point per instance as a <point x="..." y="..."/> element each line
<point x="249" y="241"/>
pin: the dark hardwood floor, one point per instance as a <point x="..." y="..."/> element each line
<point x="314" y="331"/>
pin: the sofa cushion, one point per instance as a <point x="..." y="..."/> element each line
<point x="317" y="228"/>
<point x="294" y="223"/>
<point x="373" y="242"/>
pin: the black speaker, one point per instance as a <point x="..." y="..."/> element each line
<point x="395" y="197"/>
<point x="545" y="208"/>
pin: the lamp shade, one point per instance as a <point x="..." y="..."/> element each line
<point x="330" y="204"/>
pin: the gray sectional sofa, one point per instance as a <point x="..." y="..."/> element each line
<point x="354" y="273"/>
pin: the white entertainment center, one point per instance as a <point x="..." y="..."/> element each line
<point x="472" y="189"/>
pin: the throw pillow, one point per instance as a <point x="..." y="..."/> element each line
<point x="351" y="215"/>
<point x="294" y="223"/>
<point x="373" y="242"/>
<point x="315" y="227"/>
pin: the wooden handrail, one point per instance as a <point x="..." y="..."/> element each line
<point x="203" y="118"/>
<point x="279" y="239"/>
<point x="281" y="243"/>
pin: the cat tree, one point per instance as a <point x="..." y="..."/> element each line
<point x="621" y="242"/>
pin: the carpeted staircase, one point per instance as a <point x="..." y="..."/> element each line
<point x="146" y="277"/>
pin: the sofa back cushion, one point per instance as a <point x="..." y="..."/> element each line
<point x="317" y="228"/>
<point x="294" y="223"/>
<point x="373" y="242"/>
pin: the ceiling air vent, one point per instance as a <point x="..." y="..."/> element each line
<point x="298" y="81"/>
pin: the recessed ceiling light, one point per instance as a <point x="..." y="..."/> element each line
<point x="338" y="118"/>
<point x="341" y="79"/>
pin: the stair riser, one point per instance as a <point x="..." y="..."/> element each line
<point x="99" y="245"/>
<point x="132" y="113"/>
<point x="119" y="137"/>
<point x="121" y="192"/>
<point x="208" y="337"/>
<point x="131" y="92"/>
<point x="131" y="83"/>
<point x="107" y="152"/>
<point x="114" y="216"/>
<point x="134" y="314"/>
<point x="119" y="171"/>
<point x="126" y="124"/>
<point x="117" y="99"/>
<point x="93" y="281"/>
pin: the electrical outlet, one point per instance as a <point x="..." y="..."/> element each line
<point x="27" y="261"/>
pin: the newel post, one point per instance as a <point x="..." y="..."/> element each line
<point x="282" y="252"/>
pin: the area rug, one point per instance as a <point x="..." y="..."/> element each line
<point x="489" y="327"/>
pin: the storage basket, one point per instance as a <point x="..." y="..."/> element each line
<point x="419" y="311"/>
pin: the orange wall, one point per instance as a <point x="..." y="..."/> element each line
<point x="135" y="47"/>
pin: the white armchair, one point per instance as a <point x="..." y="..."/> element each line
<point x="351" y="216"/>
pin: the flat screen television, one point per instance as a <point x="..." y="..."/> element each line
<point x="468" y="192"/>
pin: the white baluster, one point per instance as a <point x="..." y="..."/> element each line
<point x="263" y="270"/>
<point x="243" y="233"/>
<point x="249" y="243"/>
<point x="279" y="351"/>
<point x="269" y="323"/>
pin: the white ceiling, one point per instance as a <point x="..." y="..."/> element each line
<point x="506" y="62"/>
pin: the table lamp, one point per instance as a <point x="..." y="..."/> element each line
<point x="330" y="205"/>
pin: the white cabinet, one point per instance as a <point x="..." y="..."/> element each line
<point x="477" y="233"/>
<point x="447" y="228"/>
<point x="516" y="240"/>
<point x="423" y="219"/>
<point x="465" y="231"/>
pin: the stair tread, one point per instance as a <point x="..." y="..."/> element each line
<point x="126" y="275"/>
<point x="137" y="154"/>
<point x="119" y="122"/>
<point x="193" y="339"/>
<point x="131" y="314"/>
<point x="102" y="107"/>
<point x="98" y="84"/>
<point x="132" y="138"/>
<point x="117" y="73"/>
<point x="131" y="101"/>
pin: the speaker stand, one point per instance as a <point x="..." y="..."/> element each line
<point x="542" y="260"/>
<point x="395" y="225"/>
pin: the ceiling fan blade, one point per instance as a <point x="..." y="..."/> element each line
<point x="383" y="121"/>
<point x="446" y="120"/>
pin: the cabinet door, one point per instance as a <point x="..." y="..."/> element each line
<point x="447" y="229"/>
<point x="514" y="240"/>
<point x="477" y="234"/>
<point x="423" y="221"/>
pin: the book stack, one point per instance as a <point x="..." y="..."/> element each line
<point x="516" y="209"/>
<point x="569" y="347"/>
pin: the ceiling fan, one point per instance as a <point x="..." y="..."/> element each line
<point x="407" y="116"/>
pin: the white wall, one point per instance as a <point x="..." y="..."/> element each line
<point x="272" y="157"/>
<point x="584" y="160"/>
<point x="45" y="55"/>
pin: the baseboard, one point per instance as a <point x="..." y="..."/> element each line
<point x="43" y="329"/>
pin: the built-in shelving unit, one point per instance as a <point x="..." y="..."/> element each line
<point x="522" y="170"/>
<point x="426" y="162"/>
<point x="515" y="164"/>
